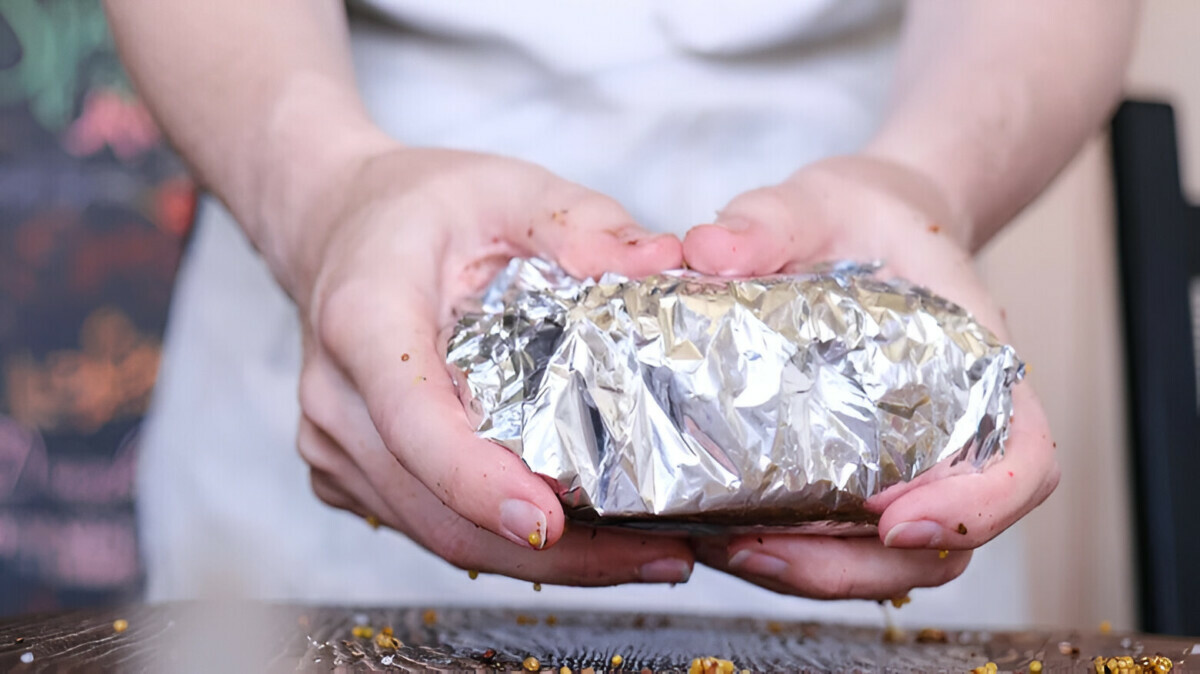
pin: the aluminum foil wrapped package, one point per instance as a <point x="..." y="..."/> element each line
<point x="693" y="402"/>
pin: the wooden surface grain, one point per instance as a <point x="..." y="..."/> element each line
<point x="262" y="638"/>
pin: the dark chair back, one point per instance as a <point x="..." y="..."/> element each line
<point x="1159" y="237"/>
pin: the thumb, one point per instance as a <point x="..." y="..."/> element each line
<point x="589" y="233"/>
<point x="756" y="233"/>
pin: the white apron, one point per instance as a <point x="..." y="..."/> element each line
<point x="670" y="107"/>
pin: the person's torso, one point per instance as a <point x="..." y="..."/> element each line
<point x="671" y="107"/>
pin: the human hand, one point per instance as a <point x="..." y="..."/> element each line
<point x="383" y="429"/>
<point x="862" y="208"/>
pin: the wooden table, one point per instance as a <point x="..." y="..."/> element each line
<point x="260" y="638"/>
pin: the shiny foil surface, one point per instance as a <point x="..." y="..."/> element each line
<point x="693" y="402"/>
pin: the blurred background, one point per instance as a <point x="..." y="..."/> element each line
<point x="94" y="212"/>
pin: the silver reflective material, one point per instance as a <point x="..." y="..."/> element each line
<point x="689" y="401"/>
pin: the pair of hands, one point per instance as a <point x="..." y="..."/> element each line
<point x="386" y="436"/>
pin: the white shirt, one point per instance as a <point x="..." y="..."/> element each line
<point x="672" y="108"/>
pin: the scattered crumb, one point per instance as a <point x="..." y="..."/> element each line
<point x="962" y="529"/>
<point x="531" y="664"/>
<point x="564" y="670"/>
<point x="617" y="660"/>
<point x="552" y="620"/>
<point x="362" y="632"/>
<point x="1035" y="667"/>
<point x="523" y="619"/>
<point x="710" y="665"/>
<point x="930" y="635"/>
<point x="942" y="554"/>
<point x="387" y="641"/>
<point x="774" y="627"/>
<point x="488" y="654"/>
<point x="120" y="625"/>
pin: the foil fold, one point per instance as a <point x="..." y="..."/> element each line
<point x="693" y="402"/>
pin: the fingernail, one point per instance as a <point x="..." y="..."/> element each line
<point x="524" y="523"/>
<point x="916" y="534"/>
<point x="757" y="563"/>
<point x="665" y="571"/>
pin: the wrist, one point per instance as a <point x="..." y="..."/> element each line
<point x="909" y="173"/>
<point x="313" y="145"/>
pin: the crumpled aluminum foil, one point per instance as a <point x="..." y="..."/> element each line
<point x="702" y="403"/>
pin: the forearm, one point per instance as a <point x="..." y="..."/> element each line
<point x="260" y="99"/>
<point x="992" y="99"/>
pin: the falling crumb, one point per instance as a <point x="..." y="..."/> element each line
<point x="472" y="574"/>
<point x="942" y="554"/>
<point x="1035" y="667"/>
<point x="531" y="664"/>
<point x="27" y="657"/>
<point x="429" y="617"/>
<point x="901" y="601"/>
<point x="523" y="619"/>
<point x="537" y="587"/>
<point x="373" y="521"/>
<point x="1106" y="627"/>
<point x="388" y="631"/>
<point x="774" y="627"/>
<point x="120" y="626"/>
<point x="930" y="635"/>
<point x="552" y="620"/>
<point x="893" y="635"/>
<point x="404" y="357"/>
<point x="962" y="529"/>
<point x="617" y="660"/>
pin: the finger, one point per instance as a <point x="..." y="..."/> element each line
<point x="588" y="234"/>
<point x="390" y="349"/>
<point x="825" y="567"/>
<point x="582" y="557"/>
<point x="335" y="478"/>
<point x="757" y="233"/>
<point x="966" y="511"/>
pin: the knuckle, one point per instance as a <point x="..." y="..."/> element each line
<point x="457" y="547"/>
<point x="339" y="310"/>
